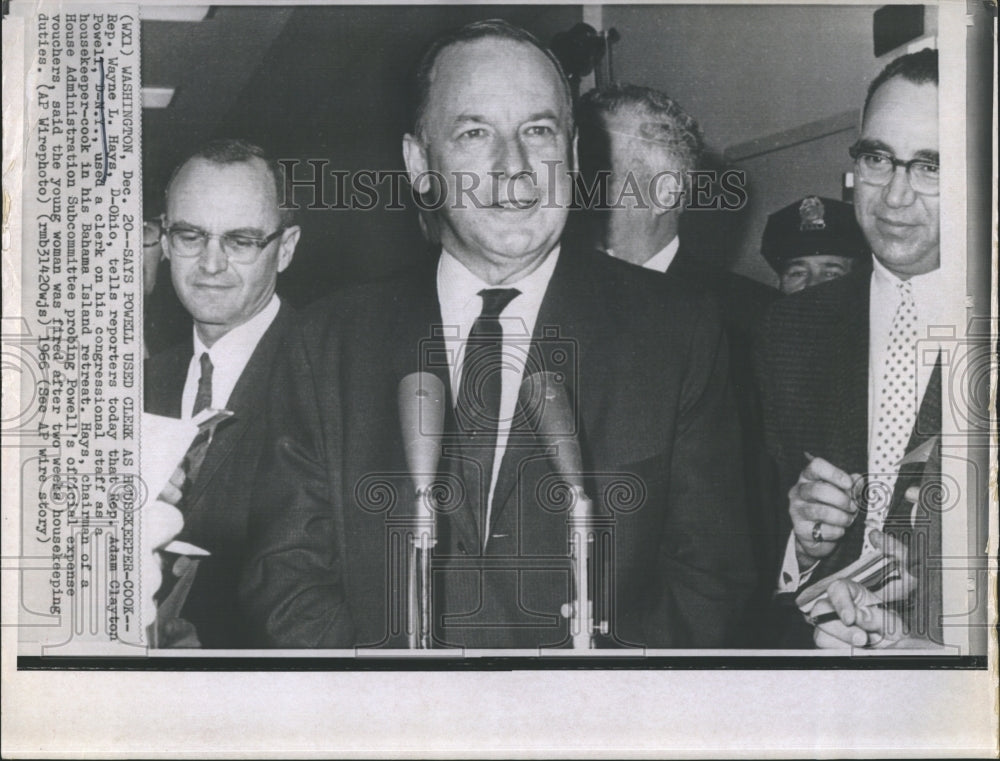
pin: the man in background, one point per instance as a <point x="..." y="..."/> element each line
<point x="811" y="241"/>
<point x="641" y="359"/>
<point x="850" y="388"/>
<point x="165" y="321"/>
<point x="638" y="149"/>
<point x="227" y="240"/>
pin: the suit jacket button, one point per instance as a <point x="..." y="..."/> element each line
<point x="461" y="548"/>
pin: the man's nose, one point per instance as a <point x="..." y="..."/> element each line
<point x="512" y="157"/>
<point x="213" y="259"/>
<point x="899" y="193"/>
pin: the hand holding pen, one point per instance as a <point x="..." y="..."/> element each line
<point x="822" y="506"/>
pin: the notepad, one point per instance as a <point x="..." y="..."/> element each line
<point x="874" y="571"/>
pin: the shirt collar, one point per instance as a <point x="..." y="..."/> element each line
<point x="236" y="346"/>
<point x="662" y="259"/>
<point x="927" y="288"/>
<point x="458" y="285"/>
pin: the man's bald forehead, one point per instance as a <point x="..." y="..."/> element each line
<point x="492" y="30"/>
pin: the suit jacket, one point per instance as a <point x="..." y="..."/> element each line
<point x="743" y="303"/>
<point x="813" y="367"/>
<point x="218" y="505"/>
<point x="645" y="363"/>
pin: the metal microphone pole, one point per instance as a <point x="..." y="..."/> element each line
<point x="544" y="398"/>
<point x="421" y="412"/>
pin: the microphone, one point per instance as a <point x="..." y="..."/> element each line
<point x="545" y="400"/>
<point x="421" y="420"/>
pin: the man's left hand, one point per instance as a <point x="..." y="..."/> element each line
<point x="861" y="621"/>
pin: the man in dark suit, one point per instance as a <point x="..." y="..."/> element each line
<point x="643" y="361"/>
<point x="227" y="240"/>
<point x="638" y="148"/>
<point x="852" y="385"/>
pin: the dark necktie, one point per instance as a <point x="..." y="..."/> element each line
<point x="478" y="405"/>
<point x="203" y="399"/>
<point x="195" y="454"/>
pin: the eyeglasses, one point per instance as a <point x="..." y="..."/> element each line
<point x="243" y="249"/>
<point x="877" y="168"/>
<point x="151" y="233"/>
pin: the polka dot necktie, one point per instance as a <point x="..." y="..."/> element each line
<point x="897" y="410"/>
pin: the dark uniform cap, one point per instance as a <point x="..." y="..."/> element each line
<point x="813" y="226"/>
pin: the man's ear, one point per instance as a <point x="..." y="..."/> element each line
<point x="574" y="153"/>
<point x="668" y="192"/>
<point x="415" y="158"/>
<point x="289" y="240"/>
<point x="164" y="246"/>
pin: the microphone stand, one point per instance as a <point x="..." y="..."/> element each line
<point x="421" y="411"/>
<point x="421" y="545"/>
<point x="545" y="396"/>
<point x="580" y="611"/>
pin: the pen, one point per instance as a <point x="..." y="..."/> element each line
<point x="825" y="618"/>
<point x="857" y="488"/>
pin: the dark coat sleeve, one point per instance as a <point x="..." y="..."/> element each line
<point x="292" y="589"/>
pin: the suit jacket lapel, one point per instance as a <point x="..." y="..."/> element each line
<point x="421" y="332"/>
<point x="927" y="425"/>
<point x="165" y="385"/>
<point x="568" y="320"/>
<point x="849" y="379"/>
<point x="245" y="402"/>
<point x="848" y="376"/>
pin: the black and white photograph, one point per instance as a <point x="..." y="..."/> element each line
<point x="618" y="377"/>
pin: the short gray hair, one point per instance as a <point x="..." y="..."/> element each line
<point x="664" y="121"/>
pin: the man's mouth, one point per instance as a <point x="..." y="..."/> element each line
<point x="515" y="204"/>
<point x="213" y="286"/>
<point x="894" y="226"/>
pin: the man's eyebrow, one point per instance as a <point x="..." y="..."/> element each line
<point x="248" y="231"/>
<point x="541" y="115"/>
<point x="926" y="154"/>
<point x="186" y="225"/>
<point x="480" y="119"/>
<point x="873" y="145"/>
<point x="253" y="232"/>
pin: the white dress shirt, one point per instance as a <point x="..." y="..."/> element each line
<point x="928" y="295"/>
<point x="661" y="260"/>
<point x="229" y="356"/>
<point x="460" y="302"/>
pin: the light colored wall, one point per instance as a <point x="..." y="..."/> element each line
<point x="777" y="179"/>
<point x="748" y="72"/>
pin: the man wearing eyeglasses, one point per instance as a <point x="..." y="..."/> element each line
<point x="850" y="389"/>
<point x="227" y="240"/>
